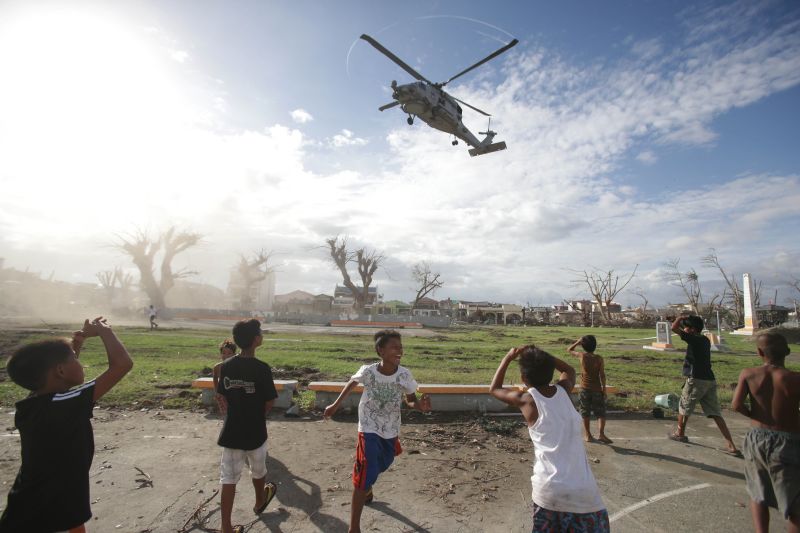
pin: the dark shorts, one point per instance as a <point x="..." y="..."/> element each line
<point x="562" y="522"/>
<point x="374" y="455"/>
<point x="592" y="402"/>
<point x="772" y="469"/>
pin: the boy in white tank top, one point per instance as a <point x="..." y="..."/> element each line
<point x="565" y="493"/>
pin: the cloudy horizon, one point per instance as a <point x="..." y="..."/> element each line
<point x="630" y="144"/>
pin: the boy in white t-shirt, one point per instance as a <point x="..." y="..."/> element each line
<point x="385" y="385"/>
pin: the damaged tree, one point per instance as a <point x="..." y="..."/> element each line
<point x="426" y="281"/>
<point x="142" y="250"/>
<point x="367" y="263"/>
<point x="689" y="282"/>
<point x="251" y="271"/>
<point x="604" y="286"/>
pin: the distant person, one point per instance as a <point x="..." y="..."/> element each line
<point x="246" y="385"/>
<point x="565" y="494"/>
<point x="51" y="491"/>
<point x="386" y="384"/>
<point x="227" y="349"/>
<point x="151" y="311"/>
<point x="772" y="446"/>
<point x="593" y="387"/>
<point x="700" y="385"/>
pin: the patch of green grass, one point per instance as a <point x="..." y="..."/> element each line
<point x="166" y="361"/>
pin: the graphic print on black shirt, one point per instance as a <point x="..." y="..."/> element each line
<point x="51" y="491"/>
<point x="247" y="385"/>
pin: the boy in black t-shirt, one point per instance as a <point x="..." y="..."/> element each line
<point x="51" y="491"/>
<point x="247" y="392"/>
<point x="700" y="385"/>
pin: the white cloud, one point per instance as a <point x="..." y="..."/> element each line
<point x="346" y="138"/>
<point x="301" y="116"/>
<point x="179" y="55"/>
<point x="647" y="157"/>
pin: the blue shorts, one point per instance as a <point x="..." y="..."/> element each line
<point x="374" y="455"/>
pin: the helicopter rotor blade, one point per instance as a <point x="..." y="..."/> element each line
<point x="388" y="106"/>
<point x="394" y="58"/>
<point x="471" y="106"/>
<point x="482" y="61"/>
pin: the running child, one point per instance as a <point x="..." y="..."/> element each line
<point x="386" y="383"/>
<point x="772" y="447"/>
<point x="565" y="494"/>
<point x="593" y="387"/>
<point x="51" y="491"/>
<point x="249" y="392"/>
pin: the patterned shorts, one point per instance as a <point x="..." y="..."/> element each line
<point x="592" y="402"/>
<point x="545" y="520"/>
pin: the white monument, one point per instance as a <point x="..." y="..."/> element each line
<point x="663" y="338"/>
<point x="750" y="317"/>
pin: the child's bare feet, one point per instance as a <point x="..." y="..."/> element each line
<point x="605" y="440"/>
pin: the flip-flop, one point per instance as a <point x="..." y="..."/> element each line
<point x="369" y="497"/>
<point x="678" y="438"/>
<point x="269" y="492"/>
<point x="238" y="529"/>
<point x="737" y="453"/>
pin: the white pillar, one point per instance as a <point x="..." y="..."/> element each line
<point x="750" y="315"/>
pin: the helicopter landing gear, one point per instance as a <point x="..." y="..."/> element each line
<point x="454" y="142"/>
<point x="410" y="120"/>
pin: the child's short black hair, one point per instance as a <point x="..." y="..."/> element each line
<point x="229" y="344"/>
<point x="245" y="332"/>
<point x="694" y="321"/>
<point x="536" y="366"/>
<point x="589" y="343"/>
<point x="29" y="365"/>
<point x="383" y="336"/>
<point x="773" y="346"/>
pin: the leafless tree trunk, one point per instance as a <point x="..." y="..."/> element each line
<point x="640" y="293"/>
<point x="142" y="250"/>
<point x="689" y="282"/>
<point x="252" y="271"/>
<point x="367" y="263"/>
<point x="734" y="297"/>
<point x="604" y="286"/>
<point x="426" y="281"/>
<point x="107" y="279"/>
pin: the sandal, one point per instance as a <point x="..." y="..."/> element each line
<point x="369" y="497"/>
<point x="269" y="492"/>
<point x="737" y="453"/>
<point x="678" y="438"/>
<point x="238" y="529"/>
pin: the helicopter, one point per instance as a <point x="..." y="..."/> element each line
<point x="430" y="103"/>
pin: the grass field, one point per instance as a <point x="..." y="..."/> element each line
<point x="167" y="360"/>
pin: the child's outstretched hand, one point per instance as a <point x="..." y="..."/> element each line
<point x="95" y="327"/>
<point x="330" y="411"/>
<point x="513" y="353"/>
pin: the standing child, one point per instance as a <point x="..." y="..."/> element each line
<point x="772" y="446"/>
<point x="593" y="387"/>
<point x="565" y="494"/>
<point x="700" y="385"/>
<point x="385" y="385"/>
<point x="248" y="390"/>
<point x="51" y="491"/>
<point x="227" y="349"/>
<point x="151" y="311"/>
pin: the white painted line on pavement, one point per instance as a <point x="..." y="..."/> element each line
<point x="653" y="499"/>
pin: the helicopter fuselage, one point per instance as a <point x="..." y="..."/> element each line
<point x="434" y="107"/>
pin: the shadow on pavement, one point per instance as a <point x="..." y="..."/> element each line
<point x="686" y="462"/>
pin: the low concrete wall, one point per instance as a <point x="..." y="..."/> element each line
<point x="285" y="389"/>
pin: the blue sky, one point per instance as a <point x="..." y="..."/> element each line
<point x="637" y="132"/>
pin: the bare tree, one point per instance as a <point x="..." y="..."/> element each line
<point x="689" y="282"/>
<point x="252" y="271"/>
<point x="367" y="263"/>
<point x="426" y="281"/>
<point x="638" y="291"/>
<point x="733" y="297"/>
<point x="604" y="286"/>
<point x="142" y="250"/>
<point x="108" y="281"/>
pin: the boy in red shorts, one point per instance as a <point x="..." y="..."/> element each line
<point x="385" y="385"/>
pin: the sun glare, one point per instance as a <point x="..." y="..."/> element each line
<point x="82" y="93"/>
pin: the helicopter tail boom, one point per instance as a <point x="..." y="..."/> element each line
<point x="487" y="148"/>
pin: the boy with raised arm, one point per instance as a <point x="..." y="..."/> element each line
<point x="772" y="447"/>
<point x="700" y="385"/>
<point x="564" y="492"/>
<point x="593" y="387"/>
<point x="51" y="491"/>
<point x="386" y="384"/>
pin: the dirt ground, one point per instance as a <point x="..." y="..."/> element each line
<point x="157" y="472"/>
